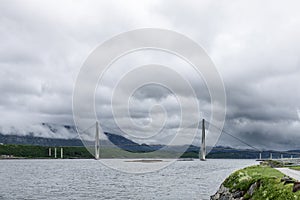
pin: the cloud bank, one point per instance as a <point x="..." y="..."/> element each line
<point x="254" y="45"/>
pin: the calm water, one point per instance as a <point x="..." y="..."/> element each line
<point x="89" y="179"/>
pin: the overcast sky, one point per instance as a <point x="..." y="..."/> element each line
<point x="254" y="45"/>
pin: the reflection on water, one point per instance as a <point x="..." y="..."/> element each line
<point x="89" y="179"/>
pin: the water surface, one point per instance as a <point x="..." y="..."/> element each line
<point x="89" y="179"/>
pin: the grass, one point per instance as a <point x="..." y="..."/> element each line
<point x="270" y="185"/>
<point x="295" y="167"/>
<point x="31" y="151"/>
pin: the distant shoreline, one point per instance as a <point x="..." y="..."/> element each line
<point x="17" y="151"/>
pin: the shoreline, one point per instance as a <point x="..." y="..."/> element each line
<point x="258" y="182"/>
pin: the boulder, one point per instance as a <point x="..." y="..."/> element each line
<point x="225" y="194"/>
<point x="253" y="187"/>
<point x="296" y="186"/>
<point x="287" y="180"/>
<point x="238" y="194"/>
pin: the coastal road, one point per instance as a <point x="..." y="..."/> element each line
<point x="290" y="172"/>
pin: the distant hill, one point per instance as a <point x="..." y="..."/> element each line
<point x="129" y="145"/>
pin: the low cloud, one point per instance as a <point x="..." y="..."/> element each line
<point x="253" y="44"/>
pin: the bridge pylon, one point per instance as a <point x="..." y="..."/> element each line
<point x="97" y="142"/>
<point x="203" y="147"/>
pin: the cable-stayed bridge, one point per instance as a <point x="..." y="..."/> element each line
<point x="261" y="154"/>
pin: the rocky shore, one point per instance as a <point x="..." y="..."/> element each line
<point x="225" y="193"/>
<point x="258" y="182"/>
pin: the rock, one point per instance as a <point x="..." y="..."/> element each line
<point x="215" y="197"/>
<point x="287" y="180"/>
<point x="238" y="194"/>
<point x="224" y="194"/>
<point x="253" y="187"/>
<point x="226" y="197"/>
<point x="223" y="189"/>
<point x="296" y="186"/>
<point x="221" y="193"/>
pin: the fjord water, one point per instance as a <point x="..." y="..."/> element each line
<point x="89" y="179"/>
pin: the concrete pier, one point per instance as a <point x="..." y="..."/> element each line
<point x="55" y="152"/>
<point x="61" y="153"/>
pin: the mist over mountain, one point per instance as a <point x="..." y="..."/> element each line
<point x="38" y="141"/>
<point x="45" y="130"/>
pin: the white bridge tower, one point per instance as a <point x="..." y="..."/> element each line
<point x="97" y="142"/>
<point x="203" y="147"/>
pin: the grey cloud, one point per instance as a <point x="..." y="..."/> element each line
<point x="254" y="45"/>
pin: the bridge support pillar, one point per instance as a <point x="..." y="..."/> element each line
<point x="259" y="156"/>
<point x="203" y="147"/>
<point x="55" y="152"/>
<point x="97" y="144"/>
<point x="61" y="153"/>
